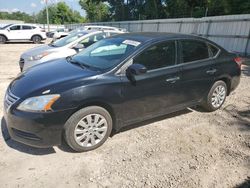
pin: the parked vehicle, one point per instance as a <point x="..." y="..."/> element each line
<point x="58" y="33"/>
<point x="100" y="27"/>
<point x="22" y="32"/>
<point x="61" y="48"/>
<point x="117" y="82"/>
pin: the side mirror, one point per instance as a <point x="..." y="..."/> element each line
<point x="78" y="47"/>
<point x="133" y="70"/>
<point x="136" y="69"/>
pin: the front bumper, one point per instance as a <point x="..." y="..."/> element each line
<point x="36" y="129"/>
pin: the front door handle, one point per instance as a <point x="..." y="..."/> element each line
<point x="173" y="80"/>
<point x="211" y="71"/>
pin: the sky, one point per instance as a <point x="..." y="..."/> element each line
<point x="34" y="6"/>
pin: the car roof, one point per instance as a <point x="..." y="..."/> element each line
<point x="154" y="36"/>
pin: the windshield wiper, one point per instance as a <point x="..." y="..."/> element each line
<point x="70" y="60"/>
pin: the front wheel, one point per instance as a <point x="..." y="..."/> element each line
<point x="216" y="96"/>
<point x="88" y="128"/>
<point x="2" y="39"/>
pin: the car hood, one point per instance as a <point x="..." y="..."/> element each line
<point x="49" y="76"/>
<point x="38" y="50"/>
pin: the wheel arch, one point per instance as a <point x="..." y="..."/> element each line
<point x="102" y="104"/>
<point x="36" y="35"/>
<point x="4" y="36"/>
<point x="227" y="80"/>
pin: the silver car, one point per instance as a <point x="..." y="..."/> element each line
<point x="62" y="48"/>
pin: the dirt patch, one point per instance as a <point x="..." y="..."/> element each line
<point x="185" y="149"/>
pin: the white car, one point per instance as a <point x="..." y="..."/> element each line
<point x="100" y="27"/>
<point x="22" y="32"/>
<point x="58" y="33"/>
<point x="63" y="47"/>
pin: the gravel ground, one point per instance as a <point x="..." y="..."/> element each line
<point x="189" y="148"/>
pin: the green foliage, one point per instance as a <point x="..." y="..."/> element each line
<point x="59" y="13"/>
<point x="96" y="10"/>
<point x="17" y="16"/>
<point x="156" y="9"/>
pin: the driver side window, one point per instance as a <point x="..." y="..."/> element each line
<point x="15" y="27"/>
<point x="158" y="56"/>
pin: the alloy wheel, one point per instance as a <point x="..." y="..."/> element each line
<point x="218" y="96"/>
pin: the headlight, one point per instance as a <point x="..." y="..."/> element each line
<point x="39" y="56"/>
<point x="40" y="103"/>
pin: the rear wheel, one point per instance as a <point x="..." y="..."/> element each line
<point x="3" y="39"/>
<point x="36" y="39"/>
<point x="216" y="96"/>
<point x="88" y="128"/>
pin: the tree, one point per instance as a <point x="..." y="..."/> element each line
<point x="60" y="13"/>
<point x="96" y="11"/>
<point x="17" y="16"/>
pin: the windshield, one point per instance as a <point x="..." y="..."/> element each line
<point x="68" y="39"/>
<point x="106" y="53"/>
<point x="6" y="26"/>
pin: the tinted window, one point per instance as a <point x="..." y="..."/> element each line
<point x="15" y="27"/>
<point x="25" y="27"/>
<point x="158" y="56"/>
<point x="194" y="50"/>
<point x="213" y="50"/>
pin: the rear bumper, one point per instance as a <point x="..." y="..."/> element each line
<point x="36" y="129"/>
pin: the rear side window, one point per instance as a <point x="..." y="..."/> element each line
<point x="158" y="56"/>
<point x="194" y="50"/>
<point x="26" y="27"/>
<point x="214" y="51"/>
<point x="15" y="27"/>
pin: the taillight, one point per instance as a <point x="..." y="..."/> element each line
<point x="239" y="61"/>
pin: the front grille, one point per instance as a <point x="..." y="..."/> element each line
<point x="21" y="62"/>
<point x="10" y="99"/>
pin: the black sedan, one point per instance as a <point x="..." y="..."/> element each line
<point x="114" y="83"/>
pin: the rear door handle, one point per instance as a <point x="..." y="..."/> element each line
<point x="211" y="71"/>
<point x="173" y="80"/>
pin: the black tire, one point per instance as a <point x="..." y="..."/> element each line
<point x="73" y="121"/>
<point x="36" y="39"/>
<point x="207" y="103"/>
<point x="3" y="39"/>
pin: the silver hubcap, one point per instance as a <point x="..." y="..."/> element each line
<point x="90" y="130"/>
<point x="218" y="96"/>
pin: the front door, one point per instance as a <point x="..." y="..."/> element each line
<point x="155" y="92"/>
<point x="15" y="32"/>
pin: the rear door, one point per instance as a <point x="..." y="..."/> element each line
<point x="27" y="31"/>
<point x="156" y="91"/>
<point x="197" y="69"/>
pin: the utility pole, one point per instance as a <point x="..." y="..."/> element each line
<point x="47" y="13"/>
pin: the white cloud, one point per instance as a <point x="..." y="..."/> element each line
<point x="9" y="10"/>
<point x="15" y="10"/>
<point x="33" y="5"/>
